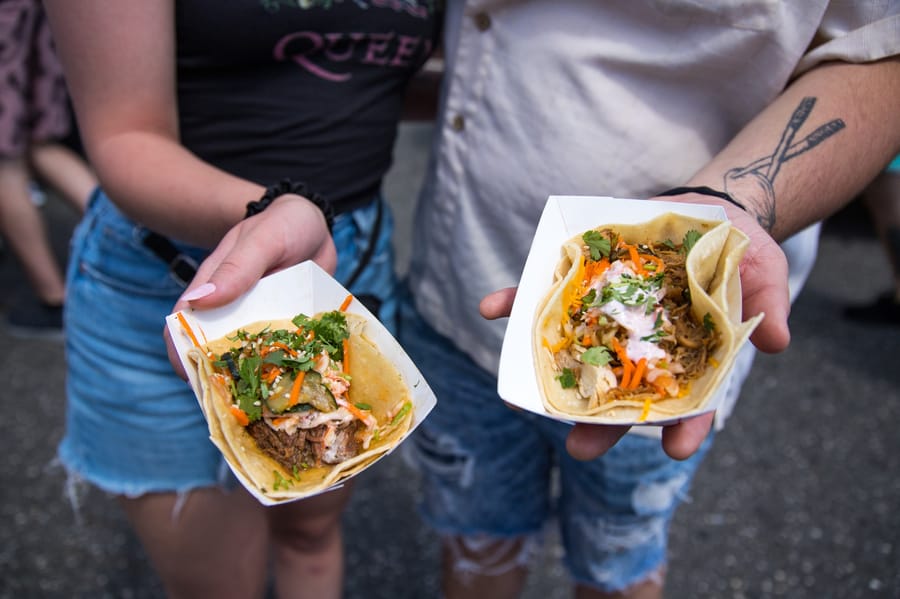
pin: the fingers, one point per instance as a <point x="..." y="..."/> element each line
<point x="497" y="304"/>
<point x="764" y="276"/>
<point x="588" y="441"/>
<point x="680" y="441"/>
<point x="764" y="281"/>
<point x="287" y="233"/>
<point x="200" y="285"/>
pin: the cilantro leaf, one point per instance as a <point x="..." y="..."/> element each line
<point x="567" y="378"/>
<point x="330" y="330"/>
<point x="690" y="238"/>
<point x="708" y="322"/>
<point x="596" y="356"/>
<point x="597" y="243"/>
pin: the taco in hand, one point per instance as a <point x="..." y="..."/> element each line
<point x="642" y="322"/>
<point x="296" y="406"/>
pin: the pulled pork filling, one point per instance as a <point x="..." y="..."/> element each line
<point x="290" y="391"/>
<point x="305" y="447"/>
<point x="628" y="332"/>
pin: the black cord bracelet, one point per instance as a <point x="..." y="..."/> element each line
<point x="286" y="186"/>
<point x="703" y="190"/>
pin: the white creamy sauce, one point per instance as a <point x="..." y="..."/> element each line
<point x="289" y="423"/>
<point x="633" y="318"/>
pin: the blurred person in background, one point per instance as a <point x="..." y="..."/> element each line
<point x="778" y="113"/>
<point x="34" y="119"/>
<point x="882" y="200"/>
<point x="196" y="115"/>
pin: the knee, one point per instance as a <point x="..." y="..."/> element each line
<point x="483" y="555"/>
<point x="307" y="535"/>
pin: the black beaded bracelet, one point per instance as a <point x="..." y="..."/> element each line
<point x="703" y="190"/>
<point x="286" y="186"/>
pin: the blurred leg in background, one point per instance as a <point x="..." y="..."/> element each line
<point x="882" y="199"/>
<point x="34" y="116"/>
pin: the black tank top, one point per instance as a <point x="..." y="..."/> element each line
<point x="306" y="89"/>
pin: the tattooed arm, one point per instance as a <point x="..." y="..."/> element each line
<point x="809" y="153"/>
<point x="813" y="149"/>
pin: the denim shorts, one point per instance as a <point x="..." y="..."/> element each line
<point x="489" y="470"/>
<point x="132" y="425"/>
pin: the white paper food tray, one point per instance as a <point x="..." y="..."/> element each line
<point x="563" y="218"/>
<point x="307" y="289"/>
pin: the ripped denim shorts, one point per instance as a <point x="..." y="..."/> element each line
<point x="132" y="425"/>
<point x="487" y="471"/>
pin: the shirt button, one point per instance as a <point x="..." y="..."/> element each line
<point x="458" y="123"/>
<point x="482" y="21"/>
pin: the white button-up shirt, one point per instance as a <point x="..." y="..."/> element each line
<point x="621" y="98"/>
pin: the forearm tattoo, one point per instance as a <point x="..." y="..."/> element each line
<point x="754" y="184"/>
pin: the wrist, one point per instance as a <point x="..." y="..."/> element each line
<point x="298" y="188"/>
<point x="703" y="190"/>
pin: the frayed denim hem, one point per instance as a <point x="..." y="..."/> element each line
<point x="77" y="482"/>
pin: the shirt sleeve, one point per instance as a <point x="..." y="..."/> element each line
<point x="855" y="32"/>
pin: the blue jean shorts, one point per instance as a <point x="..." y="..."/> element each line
<point x="132" y="425"/>
<point x="487" y="471"/>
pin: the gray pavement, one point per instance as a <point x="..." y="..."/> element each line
<point x="798" y="498"/>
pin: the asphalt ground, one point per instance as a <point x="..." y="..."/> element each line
<point x="798" y="497"/>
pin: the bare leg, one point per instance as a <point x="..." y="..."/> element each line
<point x="22" y="227"/>
<point x="64" y="171"/>
<point x="214" y="546"/>
<point x="309" y="548"/>
<point x="498" y="573"/>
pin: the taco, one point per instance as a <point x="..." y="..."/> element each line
<point x="642" y="322"/>
<point x="297" y="406"/>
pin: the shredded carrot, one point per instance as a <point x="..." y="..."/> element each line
<point x="278" y="421"/>
<point x="240" y="416"/>
<point x="283" y="346"/>
<point x="187" y="328"/>
<point x="357" y="413"/>
<point x="295" y="389"/>
<point x="626" y="374"/>
<point x="638" y="373"/>
<point x="638" y="265"/>
<point x="660" y="265"/>
<point x="270" y="373"/>
<point x="587" y="341"/>
<point x="346" y="302"/>
<point x="627" y="364"/>
<point x="595" y="269"/>
<point x="346" y="361"/>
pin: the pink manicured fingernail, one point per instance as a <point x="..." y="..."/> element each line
<point x="201" y="291"/>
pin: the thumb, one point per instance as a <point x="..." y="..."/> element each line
<point x="497" y="304"/>
<point x="588" y="441"/>
<point x="764" y="277"/>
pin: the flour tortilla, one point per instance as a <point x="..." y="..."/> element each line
<point x="714" y="281"/>
<point x="376" y="382"/>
